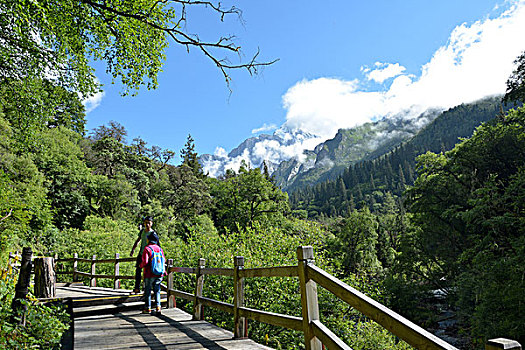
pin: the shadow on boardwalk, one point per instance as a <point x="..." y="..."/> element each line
<point x="153" y="342"/>
<point x="174" y="329"/>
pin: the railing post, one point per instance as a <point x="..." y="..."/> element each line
<point x="240" y="323"/>
<point x="172" y="303"/>
<point x="502" y="343"/>
<point x="198" y="313"/>
<point x="22" y="286"/>
<point x="45" y="278"/>
<point x="309" y="303"/>
<point x="75" y="267"/>
<point x="93" y="280"/>
<point x="116" y="283"/>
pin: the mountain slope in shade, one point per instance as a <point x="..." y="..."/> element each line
<point x="349" y="146"/>
<point x="366" y="182"/>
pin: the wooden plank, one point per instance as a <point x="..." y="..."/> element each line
<point x="69" y="284"/>
<point x="392" y="321"/>
<point x="198" y="313"/>
<point x="126" y="277"/>
<point x="76" y="291"/>
<point x="278" y="271"/>
<point x="226" y="307"/>
<point x="105" y="261"/>
<point x="80" y="273"/>
<point x="103" y="276"/>
<point x="327" y="337"/>
<point x="240" y="324"/>
<point x="65" y="260"/>
<point x="98" y="261"/>
<point x="285" y="321"/>
<point x="182" y="295"/>
<point x="113" y="260"/>
<point x="502" y="343"/>
<point x="217" y="271"/>
<point x="174" y="329"/>
<point x="182" y="269"/>
<point x="106" y="300"/>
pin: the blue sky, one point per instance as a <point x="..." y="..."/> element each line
<point x="341" y="63"/>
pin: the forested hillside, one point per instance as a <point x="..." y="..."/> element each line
<point x="349" y="146"/>
<point x="366" y="183"/>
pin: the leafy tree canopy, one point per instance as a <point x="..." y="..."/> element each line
<point x="31" y="105"/>
<point x="245" y="197"/>
<point x="516" y="82"/>
<point x="57" y="39"/>
<point x="469" y="206"/>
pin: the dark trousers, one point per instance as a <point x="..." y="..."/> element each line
<point x="138" y="273"/>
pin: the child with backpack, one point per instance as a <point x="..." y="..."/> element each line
<point x="153" y="262"/>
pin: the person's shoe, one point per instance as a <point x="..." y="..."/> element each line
<point x="146" y="311"/>
<point x="157" y="311"/>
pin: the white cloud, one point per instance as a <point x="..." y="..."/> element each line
<point x="383" y="72"/>
<point x="474" y="63"/>
<point x="93" y="102"/>
<point x="323" y="105"/>
<point x="220" y="152"/>
<point x="265" y="127"/>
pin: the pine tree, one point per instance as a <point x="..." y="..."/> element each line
<point x="402" y="181"/>
<point x="190" y="157"/>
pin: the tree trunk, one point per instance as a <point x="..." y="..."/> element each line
<point x="45" y="278"/>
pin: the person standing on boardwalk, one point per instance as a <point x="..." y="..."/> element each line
<point x="153" y="262"/>
<point x="147" y="228"/>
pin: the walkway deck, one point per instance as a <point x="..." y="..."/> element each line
<point x="129" y="329"/>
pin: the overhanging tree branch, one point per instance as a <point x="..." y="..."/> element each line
<point x="180" y="37"/>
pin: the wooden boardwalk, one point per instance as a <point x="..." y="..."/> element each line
<point x="125" y="327"/>
<point x="174" y="329"/>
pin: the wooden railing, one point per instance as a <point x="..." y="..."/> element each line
<point x="92" y="274"/>
<point x="315" y="333"/>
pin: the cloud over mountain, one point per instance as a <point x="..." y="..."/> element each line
<point x="474" y="63"/>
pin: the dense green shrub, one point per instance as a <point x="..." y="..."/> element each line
<point x="44" y="324"/>
<point x="102" y="237"/>
<point x="266" y="246"/>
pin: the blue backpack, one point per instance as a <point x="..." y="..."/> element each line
<point x="157" y="262"/>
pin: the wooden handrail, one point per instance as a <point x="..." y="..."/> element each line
<point x="226" y="307"/>
<point x="327" y="337"/>
<point x="216" y="271"/>
<point x="278" y="271"/>
<point x="309" y="276"/>
<point x="188" y="270"/>
<point x="285" y="321"/>
<point x="101" y="261"/>
<point x="392" y="321"/>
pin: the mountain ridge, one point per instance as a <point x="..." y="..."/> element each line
<point x="293" y="164"/>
